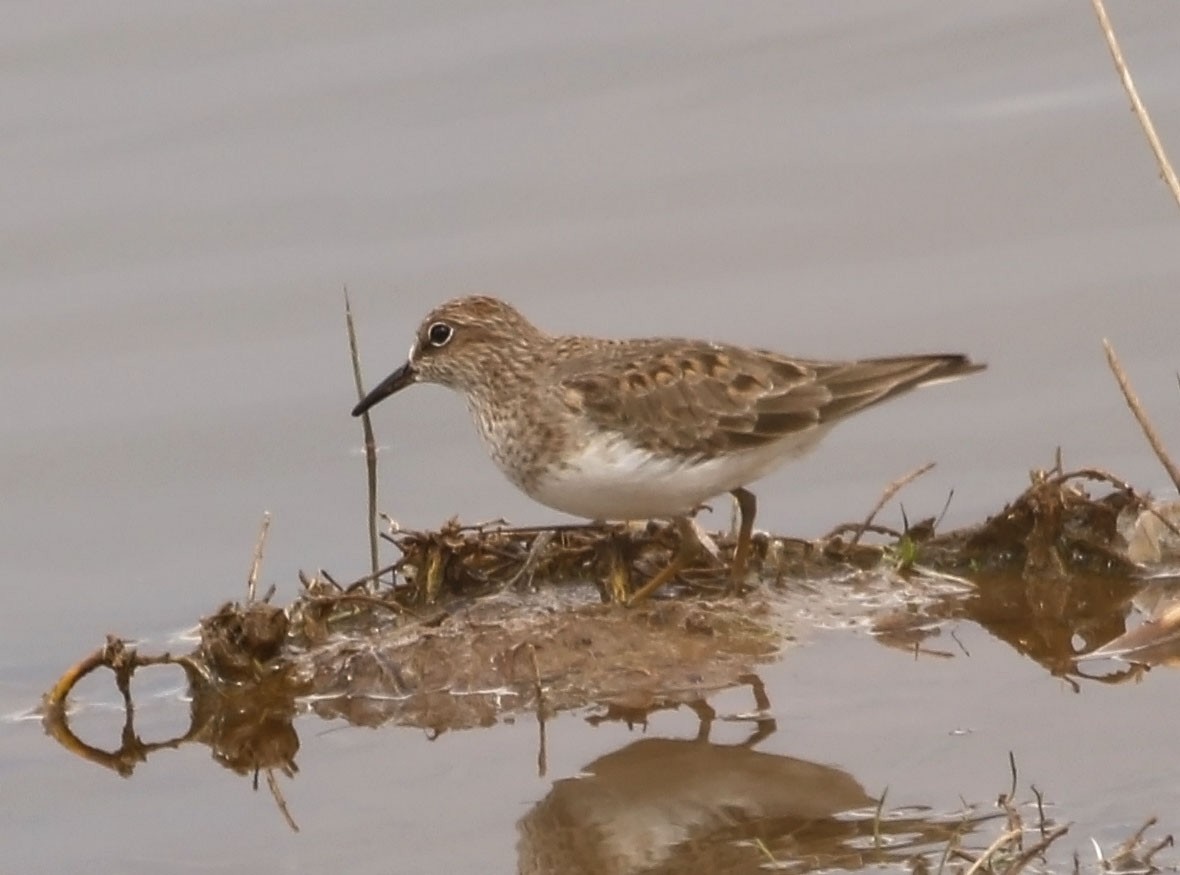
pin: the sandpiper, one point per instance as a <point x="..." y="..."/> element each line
<point x="645" y="428"/>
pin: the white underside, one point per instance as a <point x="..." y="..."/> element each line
<point x="612" y="479"/>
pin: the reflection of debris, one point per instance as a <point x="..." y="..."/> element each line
<point x="1155" y="641"/>
<point x="1051" y="622"/>
<point x="247" y="726"/>
<point x="123" y="660"/>
<point x="908" y="629"/>
<point x="1132" y="856"/>
<point x="500" y="655"/>
<point x="1153" y="535"/>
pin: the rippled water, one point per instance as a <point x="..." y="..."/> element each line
<point x="189" y="191"/>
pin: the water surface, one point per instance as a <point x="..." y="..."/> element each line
<point x="189" y="192"/>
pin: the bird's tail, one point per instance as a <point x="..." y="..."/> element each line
<point x="857" y="385"/>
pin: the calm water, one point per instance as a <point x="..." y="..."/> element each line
<point x="188" y="193"/>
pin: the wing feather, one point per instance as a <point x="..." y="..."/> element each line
<point x="698" y="399"/>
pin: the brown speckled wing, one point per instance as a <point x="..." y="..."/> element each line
<point x="698" y="400"/>
<point x="693" y="399"/>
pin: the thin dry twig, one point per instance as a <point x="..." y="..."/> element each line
<point x="877" y="819"/>
<point x="1141" y="113"/>
<point x="1042" y="823"/>
<point x="1164" y="521"/>
<point x="1095" y="474"/>
<point x="1036" y="850"/>
<point x="359" y="598"/>
<point x="256" y="563"/>
<point x="951" y="846"/>
<point x="369" y="578"/>
<point x="280" y="799"/>
<point x="1149" y="432"/>
<point x="1001" y="841"/>
<point x="891" y="490"/>
<point x="532" y="560"/>
<point x="123" y="661"/>
<point x="861" y="529"/>
<point x="370" y="440"/>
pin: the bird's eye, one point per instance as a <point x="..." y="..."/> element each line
<point x="439" y="334"/>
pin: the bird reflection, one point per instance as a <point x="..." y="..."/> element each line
<point x="696" y="806"/>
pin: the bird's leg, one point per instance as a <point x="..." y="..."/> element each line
<point x="688" y="550"/>
<point x="618" y="578"/>
<point x="747" y="507"/>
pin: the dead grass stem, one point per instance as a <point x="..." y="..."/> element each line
<point x="891" y="490"/>
<point x="256" y="562"/>
<point x="1153" y="439"/>
<point x="370" y="440"/>
<point x="1141" y="113"/>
